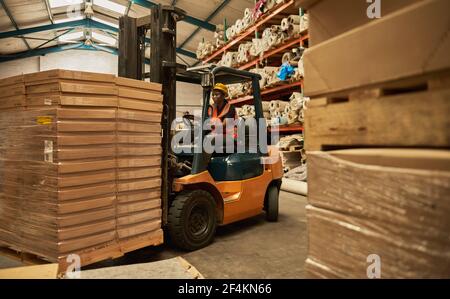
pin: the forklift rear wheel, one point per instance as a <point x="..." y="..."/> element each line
<point x="272" y="204"/>
<point x="192" y="219"/>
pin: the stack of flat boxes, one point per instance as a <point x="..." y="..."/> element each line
<point x="139" y="157"/>
<point x="377" y="138"/>
<point x="67" y="167"/>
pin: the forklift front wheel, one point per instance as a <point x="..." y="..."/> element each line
<point x="272" y="203"/>
<point x="192" y="219"/>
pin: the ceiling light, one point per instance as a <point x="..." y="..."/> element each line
<point x="61" y="3"/>
<point x="111" y="6"/>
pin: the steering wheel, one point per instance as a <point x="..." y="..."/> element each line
<point x="188" y="122"/>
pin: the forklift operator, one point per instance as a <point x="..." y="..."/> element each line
<point x="222" y="109"/>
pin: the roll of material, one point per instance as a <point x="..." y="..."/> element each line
<point x="294" y="19"/>
<point x="233" y="31"/>
<point x="287" y="109"/>
<point x="229" y="59"/>
<point x="304" y="23"/>
<point x="246" y="23"/>
<point x="287" y="57"/>
<point x="266" y="106"/>
<point x="248" y="13"/>
<point x="278" y="105"/>
<point x="295" y="104"/>
<point x="285" y="24"/>
<point x="204" y="49"/>
<point x="270" y="4"/>
<point x="244" y="52"/>
<point x="292" y="117"/>
<point x="256" y="48"/>
<point x="247" y="111"/>
<point x="229" y="33"/>
<point x="282" y="105"/>
<point x="301" y="116"/>
<point x="273" y="106"/>
<point x="239" y="26"/>
<point x="293" y="30"/>
<point x="275" y="28"/>
<point x="279" y="121"/>
<point x="296" y="101"/>
<point x="294" y="186"/>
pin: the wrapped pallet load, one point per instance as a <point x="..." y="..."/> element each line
<point x="79" y="165"/>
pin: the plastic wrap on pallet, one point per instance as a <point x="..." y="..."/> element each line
<point x="80" y="164"/>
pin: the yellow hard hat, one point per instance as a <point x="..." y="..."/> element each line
<point x="222" y="87"/>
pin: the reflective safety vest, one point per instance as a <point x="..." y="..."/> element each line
<point x="215" y="116"/>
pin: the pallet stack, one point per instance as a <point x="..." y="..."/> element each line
<point x="80" y="165"/>
<point x="377" y="139"/>
<point x="139" y="157"/>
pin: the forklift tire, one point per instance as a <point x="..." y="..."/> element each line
<point x="272" y="204"/>
<point x="192" y="220"/>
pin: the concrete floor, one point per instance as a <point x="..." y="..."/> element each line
<point x="252" y="248"/>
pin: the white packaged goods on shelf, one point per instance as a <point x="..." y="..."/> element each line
<point x="239" y="89"/>
<point x="246" y="111"/>
<point x="266" y="106"/>
<point x="304" y="23"/>
<point x="244" y="53"/>
<point x="204" y="49"/>
<point x="229" y="59"/>
<point x="219" y="35"/>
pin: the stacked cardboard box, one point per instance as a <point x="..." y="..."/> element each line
<point x="381" y="83"/>
<point x="139" y="157"/>
<point x="68" y="171"/>
<point x="328" y="19"/>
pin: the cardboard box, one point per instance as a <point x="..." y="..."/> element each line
<point x="67" y="160"/>
<point x="330" y="18"/>
<point x="410" y="119"/>
<point x="410" y="42"/>
<point x="390" y="202"/>
<point x="139" y="156"/>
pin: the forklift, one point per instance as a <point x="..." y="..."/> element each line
<point x="199" y="190"/>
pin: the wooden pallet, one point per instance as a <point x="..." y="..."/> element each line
<point x="406" y="113"/>
<point x="113" y="250"/>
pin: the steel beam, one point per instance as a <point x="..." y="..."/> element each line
<point x="49" y="11"/>
<point x="39" y="52"/>
<point x="187" y="19"/>
<point x="209" y="18"/>
<point x="79" y="23"/>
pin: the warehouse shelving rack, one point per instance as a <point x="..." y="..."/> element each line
<point x="278" y="51"/>
<point x="272" y="17"/>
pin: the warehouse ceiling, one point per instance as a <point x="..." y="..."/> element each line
<point x="37" y="27"/>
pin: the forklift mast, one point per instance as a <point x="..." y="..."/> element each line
<point x="162" y="23"/>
